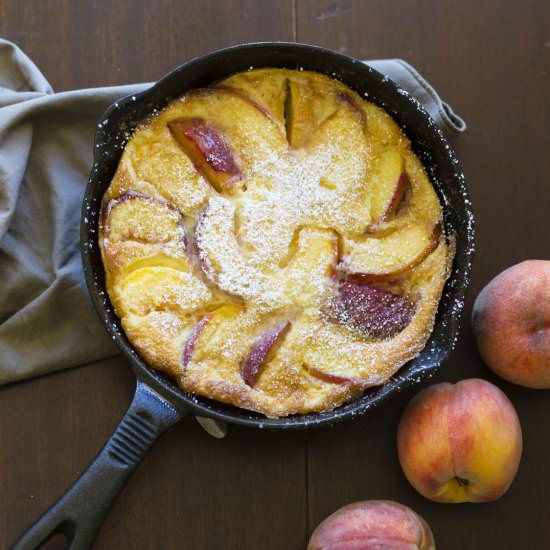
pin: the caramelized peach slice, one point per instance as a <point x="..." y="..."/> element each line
<point x="305" y="276"/>
<point x="374" y="311"/>
<point x="215" y="322"/>
<point x="330" y="352"/>
<point x="298" y="114"/>
<point x="349" y="101"/>
<point x="157" y="287"/>
<point x="135" y="227"/>
<point x="155" y="304"/>
<point x="396" y="200"/>
<point x="202" y="339"/>
<point x="307" y="108"/>
<point x="413" y="201"/>
<point x="327" y="376"/>
<point x="121" y="215"/>
<point x="264" y="88"/>
<point x="208" y="151"/>
<point x="262" y="352"/>
<point x="389" y="255"/>
<point x="389" y="184"/>
<point x="192" y="339"/>
<point x="245" y="97"/>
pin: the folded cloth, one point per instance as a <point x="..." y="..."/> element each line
<point x="47" y="321"/>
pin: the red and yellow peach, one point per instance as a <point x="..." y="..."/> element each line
<point x="373" y="525"/>
<point x="461" y="442"/>
<point x="511" y="322"/>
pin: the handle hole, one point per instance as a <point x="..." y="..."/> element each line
<point x="56" y="541"/>
<point x="60" y="538"/>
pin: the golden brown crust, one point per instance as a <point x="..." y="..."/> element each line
<point x="294" y="193"/>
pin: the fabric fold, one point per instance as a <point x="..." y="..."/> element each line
<point x="18" y="73"/>
<point x="413" y="82"/>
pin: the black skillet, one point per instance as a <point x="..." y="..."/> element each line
<point x="158" y="403"/>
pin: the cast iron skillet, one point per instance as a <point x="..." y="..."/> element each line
<point x="158" y="403"/>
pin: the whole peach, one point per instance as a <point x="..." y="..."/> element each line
<point x="373" y="525"/>
<point x="511" y="321"/>
<point x="461" y="442"/>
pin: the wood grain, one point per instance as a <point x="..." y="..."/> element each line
<point x="82" y="43"/>
<point x="491" y="61"/>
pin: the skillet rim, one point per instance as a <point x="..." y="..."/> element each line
<point x="110" y="139"/>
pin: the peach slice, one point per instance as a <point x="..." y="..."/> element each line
<point x="208" y="151"/>
<point x="262" y="352"/>
<point x="133" y="205"/>
<point x="204" y="330"/>
<point x="389" y="184"/>
<point x="158" y="288"/>
<point x="242" y="95"/>
<point x="306" y="275"/>
<point x="389" y="255"/>
<point x="298" y="112"/>
<point x="264" y="88"/>
<point x="377" y="312"/>
<point x="307" y="109"/>
<point x="136" y="227"/>
<point x="329" y="376"/>
<point x="403" y="185"/>
<point x="192" y="339"/>
<point x="350" y="102"/>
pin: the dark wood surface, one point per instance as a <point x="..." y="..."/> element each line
<point x="491" y="61"/>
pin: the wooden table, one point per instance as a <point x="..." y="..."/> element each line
<point x="491" y="61"/>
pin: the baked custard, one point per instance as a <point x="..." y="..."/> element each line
<point x="272" y="242"/>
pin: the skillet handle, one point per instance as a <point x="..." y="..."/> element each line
<point x="79" y="513"/>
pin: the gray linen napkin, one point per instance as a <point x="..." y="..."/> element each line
<point x="46" y="139"/>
